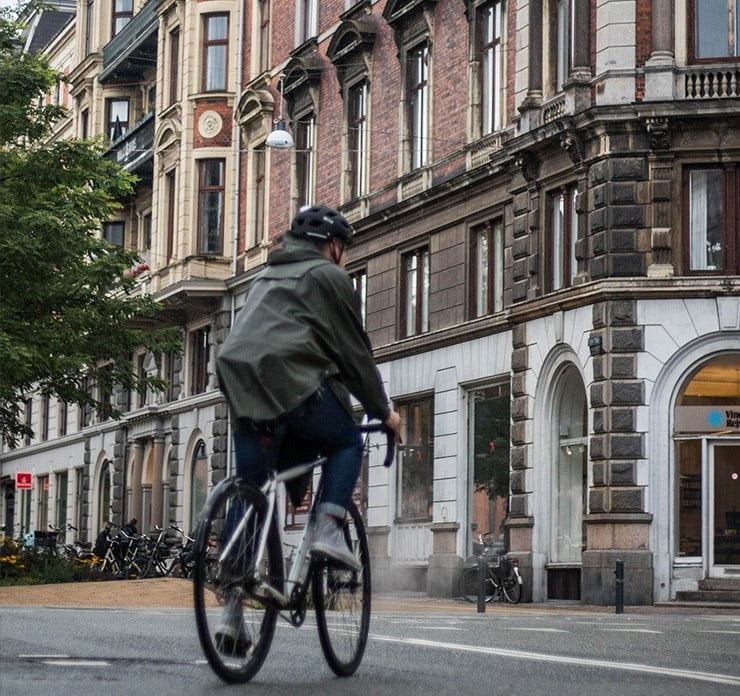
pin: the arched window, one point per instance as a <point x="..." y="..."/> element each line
<point x="104" y="508"/>
<point x="198" y="481"/>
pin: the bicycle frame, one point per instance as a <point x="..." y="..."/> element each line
<point x="299" y="568"/>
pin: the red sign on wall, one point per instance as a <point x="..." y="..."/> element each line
<point x="23" y="480"/>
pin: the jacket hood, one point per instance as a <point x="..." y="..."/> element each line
<point x="294" y="250"/>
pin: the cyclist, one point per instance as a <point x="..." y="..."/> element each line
<point x="296" y="352"/>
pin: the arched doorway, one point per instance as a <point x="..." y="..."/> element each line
<point x="707" y="447"/>
<point x="568" y="485"/>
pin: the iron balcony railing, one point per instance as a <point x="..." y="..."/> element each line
<point x="136" y="147"/>
<point x="130" y="42"/>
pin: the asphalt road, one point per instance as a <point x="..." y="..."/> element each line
<point x="132" y="652"/>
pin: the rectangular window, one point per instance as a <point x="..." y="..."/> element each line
<point x="357" y="141"/>
<point x="146" y="233"/>
<point x="60" y="499"/>
<point x="560" y="253"/>
<point x="264" y="9"/>
<point x="215" y="51"/>
<point x="211" y="205"/>
<point x="359" y="280"/>
<point x="417" y="88"/>
<point x="415" y="291"/>
<point x="140" y="374"/>
<point x="123" y="11"/>
<point x="711" y="211"/>
<point x="308" y="19"/>
<point x="416" y="460"/>
<point x="488" y="263"/>
<point x="114" y="232"/>
<point x="491" y="68"/>
<point x="62" y="418"/>
<point x="200" y="347"/>
<point x="85" y="410"/>
<point x="28" y="421"/>
<point x="44" y="417"/>
<point x="89" y="23"/>
<point x="105" y="393"/>
<point x="171" y="193"/>
<point x="170" y="375"/>
<point x="85" y="124"/>
<point x="174" y="77"/>
<point x="564" y="47"/>
<point x="304" y="132"/>
<point x="716" y="29"/>
<point x="256" y="228"/>
<point x="42" y="510"/>
<point x="77" y="501"/>
<point x="117" y="115"/>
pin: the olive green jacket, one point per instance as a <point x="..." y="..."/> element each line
<point x="300" y="325"/>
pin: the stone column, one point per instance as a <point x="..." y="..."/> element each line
<point x="157" y="488"/>
<point x="530" y="107"/>
<point x="444" y="563"/>
<point x="660" y="83"/>
<point x="136" y="469"/>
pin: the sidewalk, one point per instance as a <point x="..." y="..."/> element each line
<point x="177" y="594"/>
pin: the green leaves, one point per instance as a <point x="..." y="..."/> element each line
<point x="65" y="311"/>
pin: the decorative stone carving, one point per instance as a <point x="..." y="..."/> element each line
<point x="528" y="164"/>
<point x="210" y="124"/>
<point x="659" y="133"/>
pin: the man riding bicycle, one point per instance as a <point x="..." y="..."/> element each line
<point x="296" y="352"/>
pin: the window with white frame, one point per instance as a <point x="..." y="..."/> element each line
<point x="173" y="91"/>
<point x="415" y="292"/>
<point x="487" y="255"/>
<point x="304" y="135"/>
<point x="359" y="281"/>
<point x="357" y="139"/>
<point x="490" y="19"/>
<point x="215" y="52"/>
<point x="117" y="117"/>
<point x="114" y="232"/>
<point x="560" y="252"/>
<point x="561" y="19"/>
<point x="257" y="211"/>
<point x="60" y="499"/>
<point x="307" y="17"/>
<point x="200" y="353"/>
<point x="418" y="111"/>
<point x="262" y="34"/>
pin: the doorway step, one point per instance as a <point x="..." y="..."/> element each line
<point x="723" y="590"/>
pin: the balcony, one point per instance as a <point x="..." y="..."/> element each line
<point x="134" y="150"/>
<point x="133" y="49"/>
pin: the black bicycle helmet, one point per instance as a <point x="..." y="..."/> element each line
<point x="319" y="224"/>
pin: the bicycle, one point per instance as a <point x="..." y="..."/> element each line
<point x="503" y="580"/>
<point x="238" y="550"/>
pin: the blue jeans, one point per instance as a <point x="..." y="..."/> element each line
<point x="319" y="424"/>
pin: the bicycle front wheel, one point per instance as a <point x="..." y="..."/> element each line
<point x="511" y="588"/>
<point x="468" y="585"/>
<point x="342" y="600"/>
<point x="235" y="628"/>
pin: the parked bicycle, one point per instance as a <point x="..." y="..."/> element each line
<point x="503" y="580"/>
<point x="239" y="552"/>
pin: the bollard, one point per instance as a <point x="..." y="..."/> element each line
<point x="619" y="587"/>
<point x="482" y="573"/>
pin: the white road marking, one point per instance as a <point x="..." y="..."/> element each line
<point x="535" y="629"/>
<point x="77" y="663"/>
<point x="631" y="630"/>
<point x="567" y="660"/>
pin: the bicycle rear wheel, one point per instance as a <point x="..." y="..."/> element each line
<point x="511" y="588"/>
<point x="224" y="580"/>
<point x="342" y="600"/>
<point x="468" y="585"/>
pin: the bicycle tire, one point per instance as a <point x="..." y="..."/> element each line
<point x="215" y="579"/>
<point x="342" y="601"/>
<point x="511" y="588"/>
<point x="468" y="586"/>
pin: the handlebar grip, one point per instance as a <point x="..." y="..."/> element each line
<point x="390" y="438"/>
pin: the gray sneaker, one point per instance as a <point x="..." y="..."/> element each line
<point x="330" y="543"/>
<point x="231" y="635"/>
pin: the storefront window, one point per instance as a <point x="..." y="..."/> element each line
<point x="416" y="460"/>
<point x="489" y="422"/>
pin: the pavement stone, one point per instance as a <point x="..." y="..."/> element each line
<point x="177" y="593"/>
